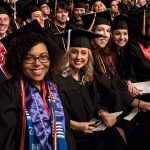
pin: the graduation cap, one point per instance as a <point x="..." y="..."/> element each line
<point x="79" y="4"/>
<point x="30" y="9"/>
<point x="78" y="38"/>
<point x="5" y="8"/>
<point x="121" y="22"/>
<point x="42" y="2"/>
<point x="26" y="7"/>
<point x="92" y="19"/>
<point x="33" y="26"/>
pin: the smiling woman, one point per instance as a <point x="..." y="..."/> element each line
<point x="79" y="94"/>
<point x="31" y="112"/>
<point x="5" y="12"/>
<point x="36" y="64"/>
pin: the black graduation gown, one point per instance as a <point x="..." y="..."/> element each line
<point x="73" y="24"/>
<point x="82" y="103"/>
<point x="62" y="42"/>
<point x="47" y="23"/>
<point x="116" y="97"/>
<point x="10" y="115"/>
<point x="141" y="65"/>
<point x="2" y="76"/>
<point x="140" y="124"/>
<point x="122" y="62"/>
<point x="114" y="92"/>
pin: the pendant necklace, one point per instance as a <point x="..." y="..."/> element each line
<point x="61" y="38"/>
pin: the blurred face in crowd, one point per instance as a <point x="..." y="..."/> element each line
<point x="12" y="1"/>
<point x="45" y="9"/>
<point x="78" y="12"/>
<point x="103" y="30"/>
<point x="98" y="6"/>
<point x="36" y="64"/>
<point x="114" y="6"/>
<point x="120" y="37"/>
<point x="61" y="16"/>
<point x="79" y="57"/>
<point x="4" y="24"/>
<point x="39" y="16"/>
<point x="141" y="2"/>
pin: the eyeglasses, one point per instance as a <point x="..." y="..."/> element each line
<point x="29" y="59"/>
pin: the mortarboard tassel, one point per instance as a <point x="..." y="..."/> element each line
<point x="68" y="40"/>
<point x="92" y="24"/>
<point x="144" y="21"/>
<point x="72" y="6"/>
<point x="55" y="6"/>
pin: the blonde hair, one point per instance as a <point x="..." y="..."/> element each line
<point x="87" y="70"/>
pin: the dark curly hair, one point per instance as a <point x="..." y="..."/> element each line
<point x="21" y="45"/>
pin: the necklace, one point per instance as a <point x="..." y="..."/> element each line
<point x="103" y="65"/>
<point x="2" y="61"/>
<point x="61" y="38"/>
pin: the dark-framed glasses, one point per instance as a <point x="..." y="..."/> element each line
<point x="30" y="59"/>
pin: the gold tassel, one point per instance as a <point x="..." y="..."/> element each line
<point x="92" y="24"/>
<point x="72" y="6"/>
<point x="55" y="6"/>
<point x="144" y="22"/>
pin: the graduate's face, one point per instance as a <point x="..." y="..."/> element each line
<point x="103" y="30"/>
<point x="120" y="37"/>
<point x="4" y="23"/>
<point x="61" y="15"/>
<point x="78" y="12"/>
<point x="45" y="9"/>
<point x="78" y="57"/>
<point x="114" y="6"/>
<point x="36" y="64"/>
<point x="141" y="2"/>
<point x="98" y="6"/>
<point x="39" y="16"/>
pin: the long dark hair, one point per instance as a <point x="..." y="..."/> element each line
<point x="105" y="59"/>
<point x="21" y="45"/>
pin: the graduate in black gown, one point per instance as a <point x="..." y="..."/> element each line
<point x="78" y="92"/>
<point x="114" y="91"/>
<point x="6" y="13"/>
<point x="140" y="60"/>
<point x="60" y="24"/>
<point x="140" y="46"/>
<point x="31" y="113"/>
<point x="108" y="80"/>
<point x="121" y="52"/>
<point x="75" y="21"/>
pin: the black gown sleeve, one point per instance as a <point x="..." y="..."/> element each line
<point x="141" y="65"/>
<point x="70" y="139"/>
<point x="2" y="76"/>
<point x="114" y="94"/>
<point x="9" y="116"/>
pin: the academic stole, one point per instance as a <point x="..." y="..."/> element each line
<point x="33" y="140"/>
<point x="2" y="60"/>
<point x="145" y="51"/>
